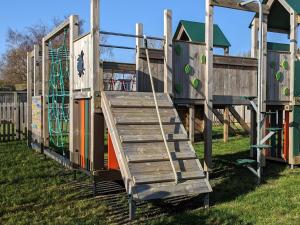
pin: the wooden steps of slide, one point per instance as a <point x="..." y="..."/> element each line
<point x="142" y="158"/>
<point x="150" y="179"/>
<point x="141" y="152"/>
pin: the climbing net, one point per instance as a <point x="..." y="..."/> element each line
<point x="58" y="94"/>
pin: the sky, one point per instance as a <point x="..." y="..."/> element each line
<point x="122" y="15"/>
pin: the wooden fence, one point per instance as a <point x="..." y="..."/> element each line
<point x="13" y="116"/>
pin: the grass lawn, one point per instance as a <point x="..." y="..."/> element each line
<point x="35" y="190"/>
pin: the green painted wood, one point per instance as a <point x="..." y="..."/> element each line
<point x="296" y="131"/>
<point x="297" y="79"/>
<point x="245" y="161"/>
<point x="272" y="46"/>
<point x="196" y="33"/>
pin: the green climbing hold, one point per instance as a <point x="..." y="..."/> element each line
<point x="203" y="59"/>
<point x="178" y="50"/>
<point x="278" y="75"/>
<point x="286" y="91"/>
<point x="188" y="69"/>
<point x="272" y="65"/>
<point x="196" y="83"/>
<point x="178" y="88"/>
<point x="285" y="64"/>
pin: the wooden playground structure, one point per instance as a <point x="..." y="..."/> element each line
<point x="71" y="104"/>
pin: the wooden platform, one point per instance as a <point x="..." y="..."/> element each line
<point x="143" y="159"/>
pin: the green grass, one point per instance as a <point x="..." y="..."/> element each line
<point x="35" y="190"/>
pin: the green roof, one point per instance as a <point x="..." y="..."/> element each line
<point x="295" y="4"/>
<point x="196" y="33"/>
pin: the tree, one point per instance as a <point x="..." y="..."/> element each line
<point x="13" y="63"/>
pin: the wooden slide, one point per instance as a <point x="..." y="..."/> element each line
<point x="142" y="156"/>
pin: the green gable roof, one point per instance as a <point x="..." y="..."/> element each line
<point x="196" y="33"/>
<point x="294" y="4"/>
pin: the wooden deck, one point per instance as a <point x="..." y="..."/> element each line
<point x="143" y="159"/>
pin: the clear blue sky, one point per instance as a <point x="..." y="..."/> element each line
<point x="121" y="16"/>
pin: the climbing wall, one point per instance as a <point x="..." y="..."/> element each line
<point x="189" y="70"/>
<point x="278" y="76"/>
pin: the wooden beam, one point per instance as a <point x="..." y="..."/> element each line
<point x="234" y="61"/>
<point x="233" y="4"/>
<point x="208" y="84"/>
<point x="139" y="44"/>
<point x="74" y="33"/>
<point x="57" y="30"/>
<point x="192" y="123"/>
<point x="97" y="119"/>
<point x="293" y="58"/>
<point x="168" y="61"/>
<point x="226" y="125"/>
<point x="45" y="79"/>
<point x="254" y="38"/>
<point x="239" y="119"/>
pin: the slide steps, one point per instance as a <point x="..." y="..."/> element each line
<point x="141" y="153"/>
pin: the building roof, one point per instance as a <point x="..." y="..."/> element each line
<point x="195" y="32"/>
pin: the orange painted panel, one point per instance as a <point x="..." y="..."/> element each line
<point x="112" y="159"/>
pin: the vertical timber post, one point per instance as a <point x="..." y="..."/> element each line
<point x="192" y="123"/>
<point x="97" y="118"/>
<point x="45" y="81"/>
<point x="254" y="38"/>
<point x="168" y="62"/>
<point x="139" y="44"/>
<point x="208" y="105"/>
<point x="226" y="124"/>
<point x="293" y="50"/>
<point x="29" y="100"/>
<point x="74" y="33"/>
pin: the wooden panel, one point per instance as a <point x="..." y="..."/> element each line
<point x="190" y="54"/>
<point x="234" y="76"/>
<point x="275" y="87"/>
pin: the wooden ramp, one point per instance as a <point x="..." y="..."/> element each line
<point x="142" y="156"/>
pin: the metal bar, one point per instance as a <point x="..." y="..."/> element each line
<point x="117" y="46"/>
<point x="130" y="35"/>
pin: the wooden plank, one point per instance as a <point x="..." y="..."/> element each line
<point x="160" y="157"/>
<point x="152" y="138"/>
<point x="208" y="83"/>
<point x="221" y="119"/>
<point x="149" y="129"/>
<point x="239" y="119"/>
<point x="150" y="179"/>
<point x="168" y="190"/>
<point x="233" y="4"/>
<point x="235" y="61"/>
<point x="146" y="120"/>
<point x="119" y="67"/>
<point x="192" y="123"/>
<point x="153" y="54"/>
<point x="168" y="61"/>
<point x="226" y="125"/>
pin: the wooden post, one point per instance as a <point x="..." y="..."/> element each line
<point x="208" y="106"/>
<point x="139" y="44"/>
<point x="192" y="123"/>
<point x="226" y="124"/>
<point x="168" y="62"/>
<point x="45" y="81"/>
<point x="74" y="33"/>
<point x="97" y="118"/>
<point x="293" y="50"/>
<point x="35" y="68"/>
<point x="226" y="51"/>
<point x="254" y="38"/>
<point x="253" y="132"/>
<point x="29" y="96"/>
<point x="29" y="99"/>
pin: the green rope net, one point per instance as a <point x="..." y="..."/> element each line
<point x="58" y="95"/>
